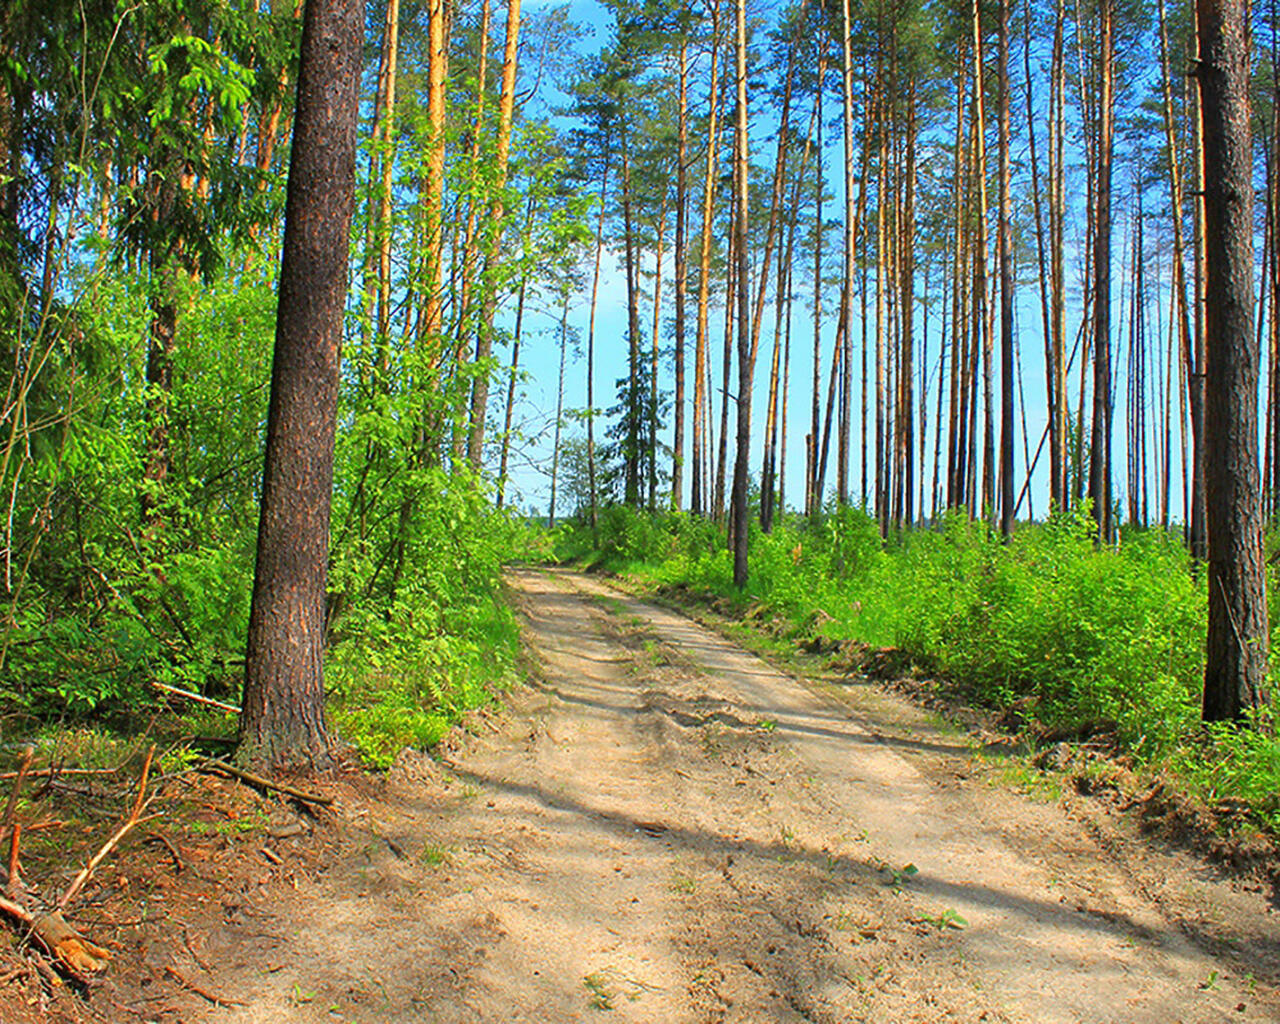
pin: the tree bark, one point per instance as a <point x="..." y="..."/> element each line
<point x="1100" y="445"/>
<point x="1006" y="279"/>
<point x="497" y="208"/>
<point x="681" y="272"/>
<point x="591" y="352"/>
<point x="1236" y="648"/>
<point x="283" y="718"/>
<point x="698" y="500"/>
<point x="846" y="292"/>
<point x="741" y="523"/>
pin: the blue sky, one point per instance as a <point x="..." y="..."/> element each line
<point x="529" y="485"/>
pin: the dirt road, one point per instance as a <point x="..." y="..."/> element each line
<point x="665" y="829"/>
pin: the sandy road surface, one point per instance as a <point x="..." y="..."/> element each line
<point x="665" y="829"/>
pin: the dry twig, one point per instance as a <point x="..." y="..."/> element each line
<point x="14" y="838"/>
<point x="199" y="698"/>
<point x="187" y="983"/>
<point x="50" y="773"/>
<point x="263" y="783"/>
<point x="163" y="840"/>
<point x="12" y="804"/>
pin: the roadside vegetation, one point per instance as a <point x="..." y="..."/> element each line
<point x="1079" y="640"/>
<point x="104" y="602"/>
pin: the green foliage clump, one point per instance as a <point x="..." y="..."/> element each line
<point x="433" y="640"/>
<point x="106" y="602"/>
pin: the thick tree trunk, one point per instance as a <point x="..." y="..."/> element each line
<point x="431" y="335"/>
<point x="283" y="718"/>
<point x="1236" y="650"/>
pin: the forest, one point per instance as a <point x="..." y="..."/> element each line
<point x="936" y="247"/>
<point x="939" y="335"/>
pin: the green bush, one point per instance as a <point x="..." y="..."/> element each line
<point x="407" y="661"/>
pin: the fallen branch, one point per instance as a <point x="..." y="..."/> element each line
<point x="73" y="950"/>
<point x="48" y="773"/>
<point x="187" y="983"/>
<point x="277" y="787"/>
<point x="163" y="840"/>
<point x="199" y="698"/>
<point x="14" y="838"/>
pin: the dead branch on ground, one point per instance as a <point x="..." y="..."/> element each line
<point x="216" y="764"/>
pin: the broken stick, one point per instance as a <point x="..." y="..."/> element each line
<point x="187" y="983"/>
<point x="257" y="780"/>
<point x="199" y="698"/>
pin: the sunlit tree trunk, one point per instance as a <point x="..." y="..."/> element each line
<point x="846" y="292"/>
<point x="555" y="444"/>
<point x="652" y="415"/>
<point x="591" y="351"/>
<point x="701" y="398"/>
<point x="813" y="499"/>
<point x="681" y="272"/>
<point x="631" y="434"/>
<point x="430" y="337"/>
<point x="1187" y="344"/>
<point x="470" y="253"/>
<point x="1100" y="444"/>
<point x="741" y="158"/>
<point x="1006" y="279"/>
<point x="497" y="210"/>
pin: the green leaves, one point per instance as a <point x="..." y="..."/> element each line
<point x="202" y="72"/>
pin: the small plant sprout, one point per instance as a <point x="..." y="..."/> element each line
<point x="683" y="883"/>
<point x="433" y="855"/>
<point x="601" y="999"/>
<point x="897" y="875"/>
<point x="949" y="918"/>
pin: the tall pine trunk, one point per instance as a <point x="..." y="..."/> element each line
<point x="283" y="717"/>
<point x="1236" y="648"/>
<point x="742" y="467"/>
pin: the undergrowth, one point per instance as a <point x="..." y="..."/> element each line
<point x="101" y="600"/>
<point x="1082" y="638"/>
